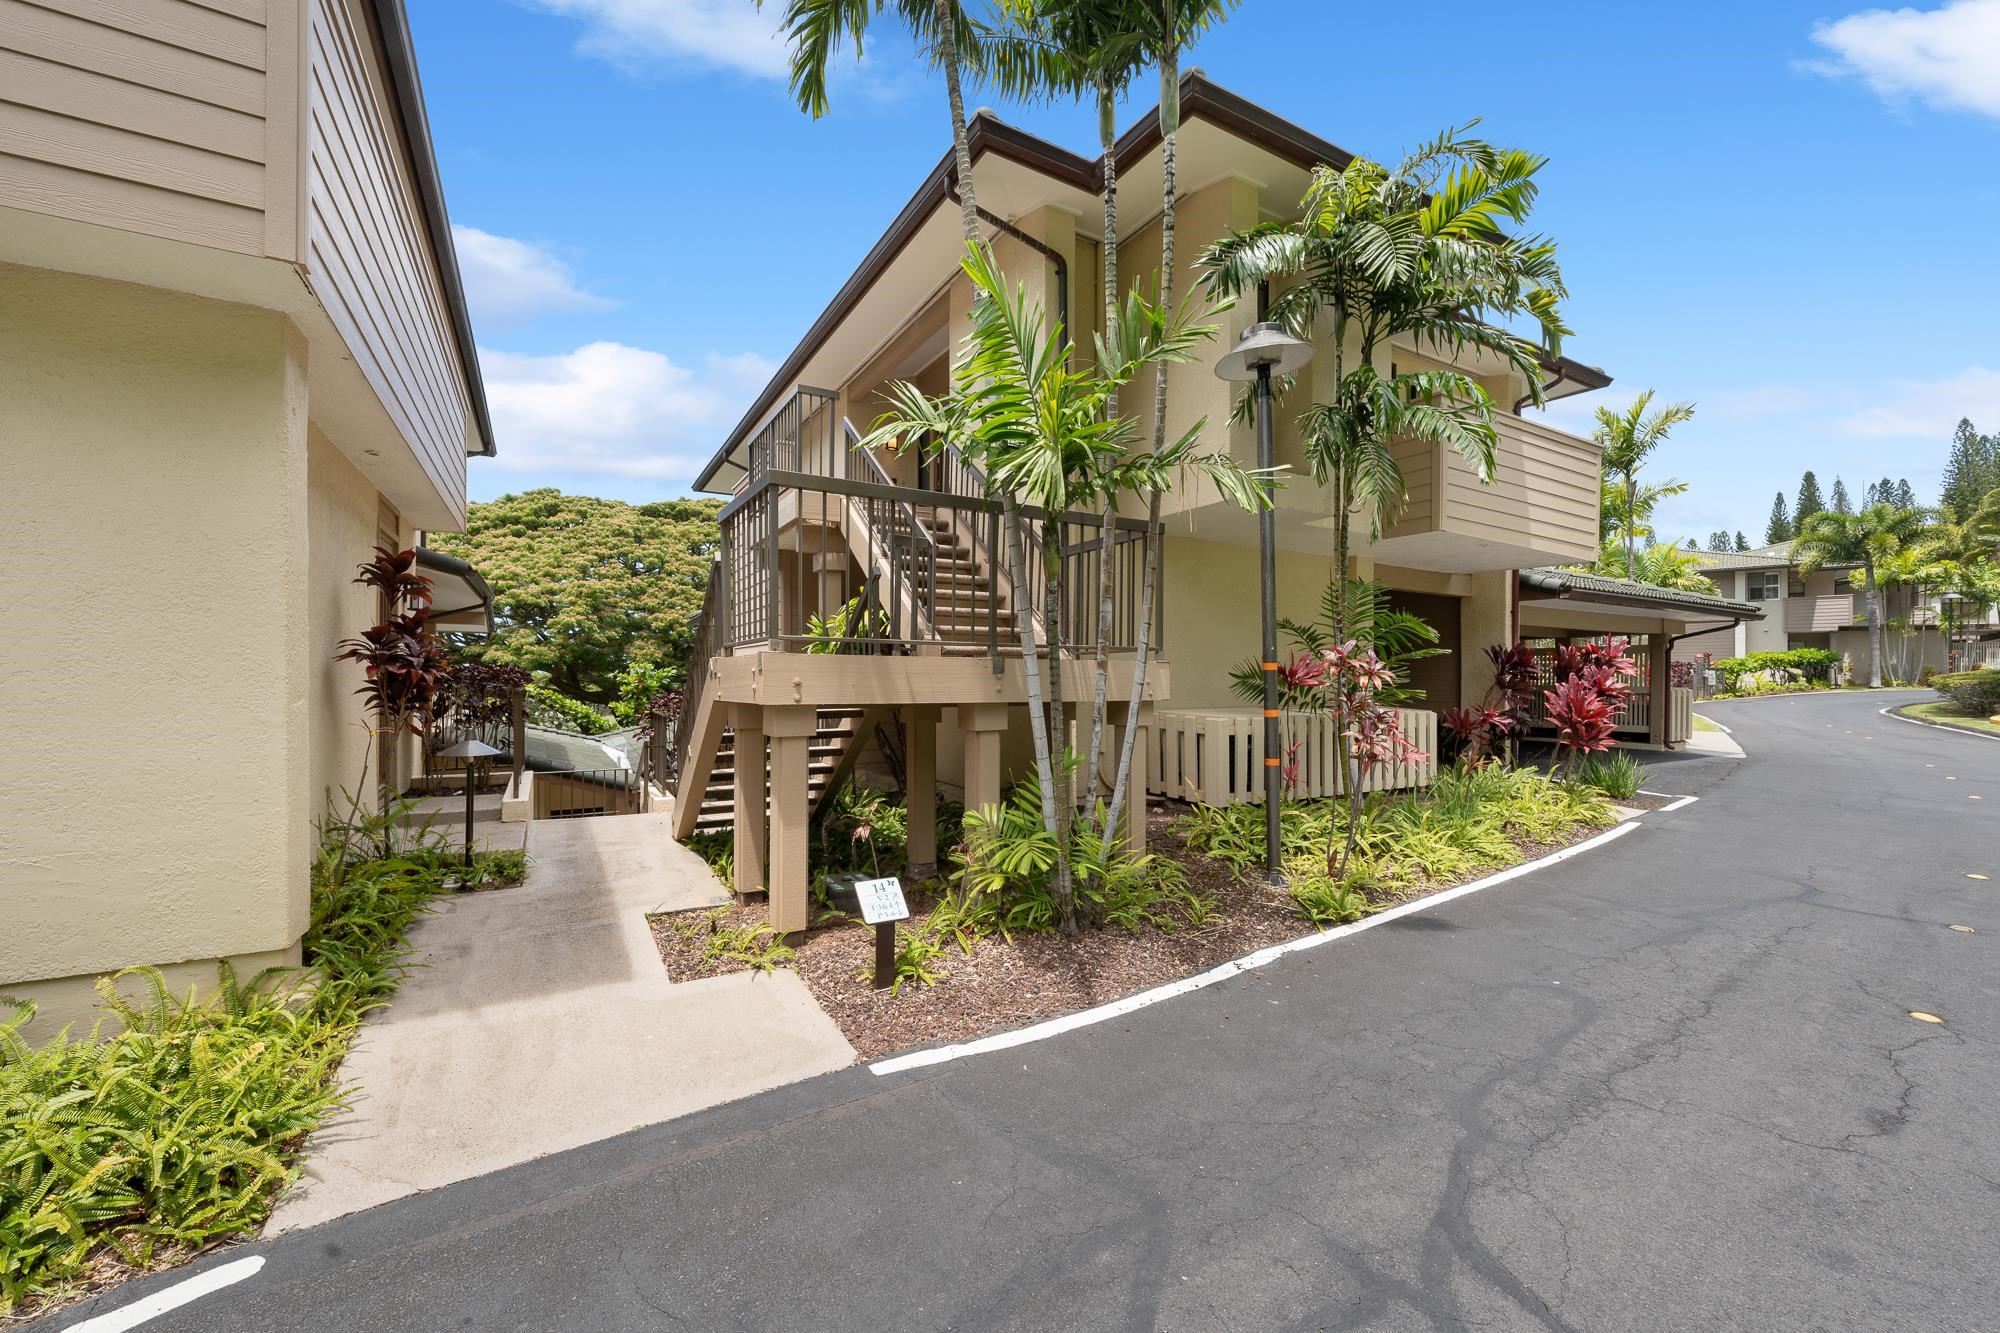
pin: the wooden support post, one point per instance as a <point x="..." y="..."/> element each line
<point x="790" y="729"/>
<point x="983" y="725"/>
<point x="747" y="720"/>
<point x="1660" y="680"/>
<point x="1120" y="717"/>
<point x="920" y="785"/>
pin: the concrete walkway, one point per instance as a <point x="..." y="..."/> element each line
<point x="541" y="1018"/>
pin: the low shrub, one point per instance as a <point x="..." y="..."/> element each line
<point x="1008" y="860"/>
<point x="757" y="945"/>
<point x="1617" y="774"/>
<point x="1785" y="670"/>
<point x="1472" y="819"/>
<point x="175" y="1122"/>
<point x="1973" y="693"/>
<point x="546" y="707"/>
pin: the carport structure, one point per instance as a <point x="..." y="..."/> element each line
<point x="1558" y="606"/>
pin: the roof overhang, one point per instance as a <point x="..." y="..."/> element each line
<point x="1591" y="594"/>
<point x="399" y="53"/>
<point x="461" y="601"/>
<point x="1018" y="172"/>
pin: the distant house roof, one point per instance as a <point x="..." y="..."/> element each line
<point x="1776" y="556"/>
<point x="1571" y="583"/>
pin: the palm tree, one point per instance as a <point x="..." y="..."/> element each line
<point x="1627" y="438"/>
<point x="1415" y="252"/>
<point x="1169" y="26"/>
<point x="1039" y="425"/>
<point x="1661" y="565"/>
<point x="1867" y="539"/>
<point x="818" y="28"/>
<point x="1084" y="48"/>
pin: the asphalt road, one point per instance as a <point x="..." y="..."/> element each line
<point x="1668" y="1084"/>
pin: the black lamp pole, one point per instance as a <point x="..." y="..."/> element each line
<point x="1267" y="555"/>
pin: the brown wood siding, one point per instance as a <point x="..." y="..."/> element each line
<point x="144" y="115"/>
<point x="367" y="256"/>
<point x="1719" y="642"/>
<point x="1437" y="677"/>
<point x="1544" y="492"/>
<point x="1418" y="463"/>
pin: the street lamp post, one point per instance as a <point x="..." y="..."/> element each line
<point x="1263" y="350"/>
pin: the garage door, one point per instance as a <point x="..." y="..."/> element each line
<point x="1437" y="677"/>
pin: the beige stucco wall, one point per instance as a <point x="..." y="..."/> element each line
<point x="341" y="510"/>
<point x="154" y="804"/>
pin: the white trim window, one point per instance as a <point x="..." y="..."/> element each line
<point x="1763" y="586"/>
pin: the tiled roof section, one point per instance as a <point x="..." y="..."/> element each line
<point x="1778" y="556"/>
<point x="1625" y="590"/>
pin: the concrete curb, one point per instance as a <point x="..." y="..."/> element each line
<point x="1935" y="726"/>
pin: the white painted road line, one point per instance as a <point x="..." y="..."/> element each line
<point x="1222" y="972"/>
<point x="1706" y="718"/>
<point x="1934" y="726"/>
<point x="172" y="1298"/>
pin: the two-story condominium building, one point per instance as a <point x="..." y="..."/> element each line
<point x="1828" y="608"/>
<point x="234" y="358"/>
<point x="813" y="521"/>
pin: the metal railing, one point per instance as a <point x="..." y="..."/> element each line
<point x="666" y="759"/>
<point x="583" y="792"/>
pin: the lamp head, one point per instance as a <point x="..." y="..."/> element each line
<point x="1265" y="344"/>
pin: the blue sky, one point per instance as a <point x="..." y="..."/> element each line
<point x="1780" y="211"/>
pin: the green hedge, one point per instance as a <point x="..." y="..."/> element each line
<point x="1796" y="664"/>
<point x="548" y="708"/>
<point x="1973" y="693"/>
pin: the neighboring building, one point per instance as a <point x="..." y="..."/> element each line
<point x="815" y="522"/>
<point x="1828" y="608"/>
<point x="234" y="358"/>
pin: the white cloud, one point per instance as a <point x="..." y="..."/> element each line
<point x="509" y="281"/>
<point x="1928" y="409"/>
<point x="723" y="34"/>
<point x="1948" y="57"/>
<point x="607" y="409"/>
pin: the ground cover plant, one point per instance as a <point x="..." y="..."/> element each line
<point x="174" y="1123"/>
<point x="1943" y="713"/>
<point x="1970" y="693"/>
<point x="982" y="951"/>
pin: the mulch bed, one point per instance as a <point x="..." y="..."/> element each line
<point x="1005" y="984"/>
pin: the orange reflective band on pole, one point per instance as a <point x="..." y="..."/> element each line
<point x="1270" y="763"/>
<point x="1270" y="712"/>
<point x="1270" y="666"/>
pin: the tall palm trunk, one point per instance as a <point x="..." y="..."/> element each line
<point x="1107" y="137"/>
<point x="1149" y="588"/>
<point x="1010" y="513"/>
<point x="1875" y="626"/>
<point x="961" y="144"/>
<point x="1631" y="503"/>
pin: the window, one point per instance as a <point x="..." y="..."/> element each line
<point x="1761" y="587"/>
<point x="1795" y="586"/>
<point x="1843" y="584"/>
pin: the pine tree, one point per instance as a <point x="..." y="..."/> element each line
<point x="1742" y="542"/>
<point x="1967" y="471"/>
<point x="1905" y="497"/>
<point x="1841" y="504"/>
<point x="1718" y="541"/>
<point x="1809" y="502"/>
<point x="1779" y="529"/>
<point x="1691" y="546"/>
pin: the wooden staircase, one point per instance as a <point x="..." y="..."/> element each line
<point x="966" y="609"/>
<point x="835" y="745"/>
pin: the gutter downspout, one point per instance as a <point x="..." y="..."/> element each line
<point x="1039" y="247"/>
<point x="1527" y="398"/>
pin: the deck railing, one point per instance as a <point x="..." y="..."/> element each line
<point x="812" y="516"/>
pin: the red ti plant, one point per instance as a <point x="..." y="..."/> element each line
<point x="1349" y="681"/>
<point x="1476" y="732"/>
<point x="403" y="662"/>
<point x="1592" y="684"/>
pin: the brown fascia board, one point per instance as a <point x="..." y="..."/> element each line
<point x="1200" y="99"/>
<point x="399" y="53"/>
